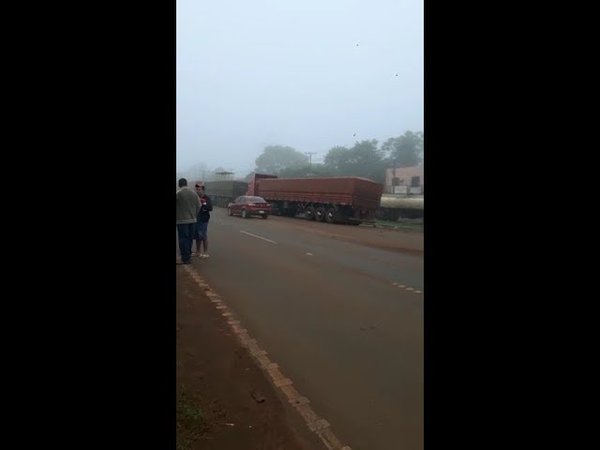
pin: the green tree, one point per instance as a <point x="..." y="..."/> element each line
<point x="336" y="158"/>
<point x="362" y="160"/>
<point x="314" y="170"/>
<point x="275" y="158"/>
<point x="406" y="150"/>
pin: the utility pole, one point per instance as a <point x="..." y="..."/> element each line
<point x="310" y="157"/>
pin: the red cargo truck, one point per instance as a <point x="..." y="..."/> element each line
<point x="330" y="199"/>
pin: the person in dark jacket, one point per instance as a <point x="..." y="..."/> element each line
<point x="201" y="235"/>
<point x="187" y="207"/>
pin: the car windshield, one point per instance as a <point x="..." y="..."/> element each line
<point x="255" y="200"/>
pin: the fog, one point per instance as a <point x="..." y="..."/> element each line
<point x="310" y="74"/>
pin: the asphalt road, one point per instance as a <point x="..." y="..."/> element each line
<point x="340" y="309"/>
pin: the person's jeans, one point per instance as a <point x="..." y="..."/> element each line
<point x="185" y="234"/>
<point x="201" y="231"/>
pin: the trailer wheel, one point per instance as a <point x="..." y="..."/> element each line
<point x="320" y="214"/>
<point x="330" y="216"/>
<point x="311" y="213"/>
<point x="244" y="214"/>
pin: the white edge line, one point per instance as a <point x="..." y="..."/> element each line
<point x="316" y="424"/>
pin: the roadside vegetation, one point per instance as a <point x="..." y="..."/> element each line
<point x="191" y="424"/>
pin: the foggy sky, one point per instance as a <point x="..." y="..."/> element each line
<point x="302" y="73"/>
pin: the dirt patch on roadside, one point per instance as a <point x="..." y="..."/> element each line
<point x="403" y="241"/>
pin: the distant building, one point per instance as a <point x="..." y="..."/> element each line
<point x="223" y="175"/>
<point x="405" y="180"/>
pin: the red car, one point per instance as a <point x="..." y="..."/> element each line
<point x="247" y="205"/>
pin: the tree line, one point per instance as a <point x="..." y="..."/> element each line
<point x="364" y="159"/>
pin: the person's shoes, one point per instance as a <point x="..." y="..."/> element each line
<point x="204" y="255"/>
<point x="196" y="254"/>
<point x="179" y="263"/>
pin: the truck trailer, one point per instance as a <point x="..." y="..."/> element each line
<point x="221" y="192"/>
<point x="325" y="199"/>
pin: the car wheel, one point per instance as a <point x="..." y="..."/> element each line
<point x="264" y="216"/>
<point x="230" y="211"/>
<point x="244" y="214"/>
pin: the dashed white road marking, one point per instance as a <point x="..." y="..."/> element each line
<point x="316" y="424"/>
<point x="309" y="254"/>
<point x="407" y="288"/>
<point x="259" y="237"/>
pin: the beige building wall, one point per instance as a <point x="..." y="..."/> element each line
<point x="403" y="176"/>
